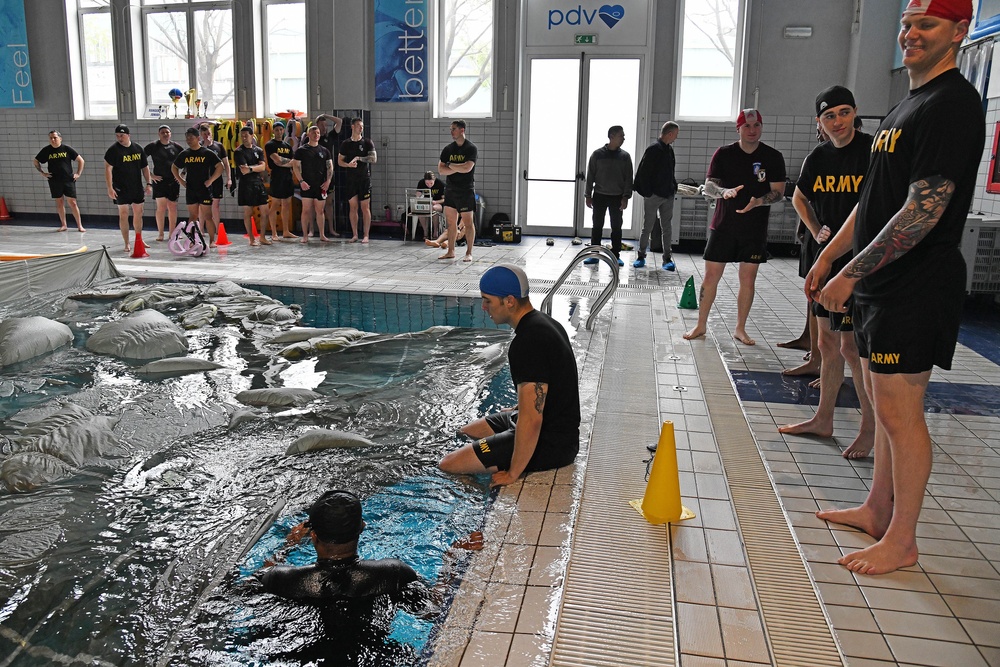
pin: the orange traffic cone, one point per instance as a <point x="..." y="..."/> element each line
<point x="139" y="248"/>
<point x="4" y="213"/>
<point x="222" y="239"/>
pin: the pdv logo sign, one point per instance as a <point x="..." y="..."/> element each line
<point x="610" y="14"/>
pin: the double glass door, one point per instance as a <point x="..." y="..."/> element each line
<point x="570" y="105"/>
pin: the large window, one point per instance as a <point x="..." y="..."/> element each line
<point x="190" y="45"/>
<point x="284" y="56"/>
<point x="465" y="59"/>
<point x="711" y="59"/>
<point x="97" y="59"/>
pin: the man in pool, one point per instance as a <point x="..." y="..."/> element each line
<point x="543" y="431"/>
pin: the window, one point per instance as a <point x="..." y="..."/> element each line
<point x="711" y="59"/>
<point x="190" y="45"/>
<point x="464" y="86"/>
<point x="96" y="67"/>
<point x="284" y="56"/>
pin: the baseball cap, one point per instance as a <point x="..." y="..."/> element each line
<point x="748" y="116"/>
<point x="122" y="129"/>
<point x="336" y="517"/>
<point x="834" y="96"/>
<point x="163" y="127"/>
<point x="278" y="123"/>
<point x="504" y="280"/>
<point x="952" y="10"/>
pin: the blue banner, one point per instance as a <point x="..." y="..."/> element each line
<point x="15" y="70"/>
<point x="401" y="50"/>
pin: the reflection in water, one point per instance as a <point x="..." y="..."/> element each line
<point x="134" y="561"/>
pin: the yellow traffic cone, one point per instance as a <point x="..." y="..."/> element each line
<point x="662" y="501"/>
<point x="688" y="299"/>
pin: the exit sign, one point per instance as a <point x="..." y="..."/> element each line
<point x="586" y="39"/>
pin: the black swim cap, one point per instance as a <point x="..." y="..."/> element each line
<point x="336" y="517"/>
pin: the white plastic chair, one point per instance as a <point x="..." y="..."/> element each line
<point x="419" y="206"/>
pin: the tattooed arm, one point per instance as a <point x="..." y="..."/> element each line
<point x="714" y="190"/>
<point x="923" y="208"/>
<point x="530" y="406"/>
<point x="774" y="195"/>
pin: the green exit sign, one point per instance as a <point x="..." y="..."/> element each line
<point x="586" y="39"/>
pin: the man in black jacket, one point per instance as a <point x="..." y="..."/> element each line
<point x="655" y="181"/>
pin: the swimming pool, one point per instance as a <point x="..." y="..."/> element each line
<point x="132" y="561"/>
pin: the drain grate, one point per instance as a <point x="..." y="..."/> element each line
<point x="796" y="626"/>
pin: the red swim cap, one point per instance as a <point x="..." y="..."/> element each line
<point x="952" y="10"/>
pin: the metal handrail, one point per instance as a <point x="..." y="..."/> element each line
<point x="600" y="252"/>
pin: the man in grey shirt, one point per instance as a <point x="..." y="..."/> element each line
<point x="609" y="186"/>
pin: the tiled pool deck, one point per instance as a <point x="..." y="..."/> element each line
<point x="573" y="576"/>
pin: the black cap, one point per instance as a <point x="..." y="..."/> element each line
<point x="336" y="517"/>
<point x="163" y="127"/>
<point x="834" y="96"/>
<point x="123" y="129"/>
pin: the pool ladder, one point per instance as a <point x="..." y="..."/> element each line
<point x="601" y="253"/>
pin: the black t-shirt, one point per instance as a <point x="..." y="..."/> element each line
<point x="220" y="151"/>
<point x="251" y="157"/>
<point x="278" y="173"/>
<point x="163" y="155"/>
<point x="755" y="172"/>
<point x="437" y="190"/>
<point x="541" y="352"/>
<point x="126" y="166"/>
<point x="329" y="141"/>
<point x="199" y="164"/>
<point x="831" y="180"/>
<point x="313" y="164"/>
<point x="939" y="129"/>
<point x="352" y="149"/>
<point x="455" y="154"/>
<point x="60" y="161"/>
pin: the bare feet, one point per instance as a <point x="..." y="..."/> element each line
<point x="815" y="384"/>
<point x="862" y="445"/>
<point x="128" y="248"/>
<point x="304" y="239"/>
<point x="799" y="343"/>
<point x="364" y="240"/>
<point x="811" y="367"/>
<point x="881" y="557"/>
<point x="433" y="244"/>
<point x="324" y="239"/>
<point x="213" y="244"/>
<point x="264" y="240"/>
<point x="61" y="229"/>
<point x="472" y="543"/>
<point x="80" y="229"/>
<point x="697" y="332"/>
<point x="287" y="237"/>
<point x="447" y="256"/>
<point x="742" y="337"/>
<point x="468" y="257"/>
<point x="812" y="426"/>
<point x="160" y="238"/>
<point x="353" y="239"/>
<point x="864" y="518"/>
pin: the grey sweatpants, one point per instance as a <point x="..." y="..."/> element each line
<point x="652" y="205"/>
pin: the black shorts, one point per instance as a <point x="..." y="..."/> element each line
<point x="314" y="192"/>
<point x="360" y="188"/>
<point x="200" y="195"/>
<point x="167" y="189"/>
<point x="727" y="246"/>
<point x="842" y="322"/>
<point x="126" y="196"/>
<point x="497" y="449"/>
<point x="462" y="201"/>
<point x="281" y="187"/>
<point x="251" y="192"/>
<point x="62" y="189"/>
<point x="216" y="188"/>
<point x="909" y="337"/>
<point x="808" y="252"/>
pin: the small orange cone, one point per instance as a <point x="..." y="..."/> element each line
<point x="139" y="248"/>
<point x="4" y="213"/>
<point x="222" y="239"/>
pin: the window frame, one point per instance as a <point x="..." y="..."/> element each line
<point x="81" y="66"/>
<point x="269" y="105"/>
<point x="739" y="64"/>
<point x="439" y="66"/>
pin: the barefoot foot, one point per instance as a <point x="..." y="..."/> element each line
<point x="881" y="558"/>
<point x="447" y="256"/>
<point x="467" y="258"/>
<point x="801" y="343"/>
<point x="697" y="332"/>
<point x="80" y="229"/>
<point x="862" y="446"/>
<point x="742" y="337"/>
<point x="811" y="367"/>
<point x="814" y="384"/>
<point x="61" y="229"/>
<point x="433" y="244"/>
<point x="864" y="518"/>
<point x="812" y="426"/>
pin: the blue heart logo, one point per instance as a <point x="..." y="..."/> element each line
<point x="611" y="14"/>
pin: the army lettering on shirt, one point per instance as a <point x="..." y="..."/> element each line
<point x="281" y="149"/>
<point x="126" y="166"/>
<point x="60" y="161"/>
<point x="455" y="154"/>
<point x="198" y="165"/>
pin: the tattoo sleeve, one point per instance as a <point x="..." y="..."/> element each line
<point x="539" y="397"/>
<point x="771" y="197"/>
<point x="924" y="206"/>
<point x="714" y="189"/>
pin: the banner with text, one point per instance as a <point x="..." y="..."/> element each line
<point x="591" y="22"/>
<point x="401" y="51"/>
<point x="15" y="71"/>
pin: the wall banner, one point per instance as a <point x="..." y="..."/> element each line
<point x="15" y="71"/>
<point x="591" y="22"/>
<point x="401" y="50"/>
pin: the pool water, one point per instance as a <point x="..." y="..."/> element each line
<point x="147" y="559"/>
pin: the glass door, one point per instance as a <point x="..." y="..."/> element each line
<point x="571" y="103"/>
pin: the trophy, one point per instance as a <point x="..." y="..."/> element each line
<point x="197" y="106"/>
<point x="189" y="97"/>
<point x="175" y="94"/>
